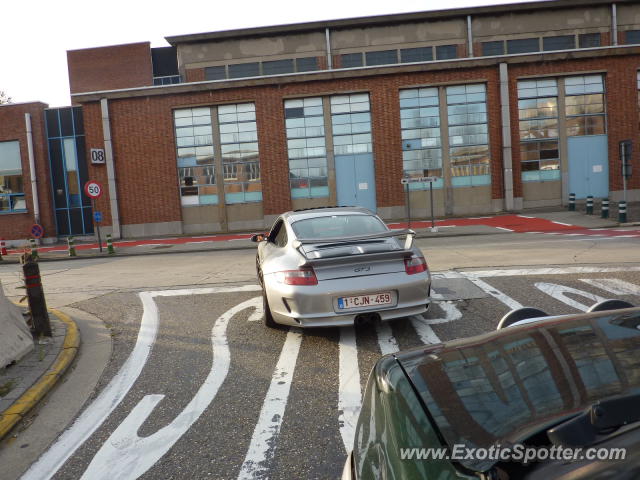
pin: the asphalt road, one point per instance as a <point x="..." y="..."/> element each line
<point x="215" y="394"/>
<point x="197" y="387"/>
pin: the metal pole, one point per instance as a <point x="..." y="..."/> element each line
<point x="433" y="224"/>
<point x="93" y="205"/>
<point x="409" y="204"/>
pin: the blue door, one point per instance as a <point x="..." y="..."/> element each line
<point x="355" y="181"/>
<point x="589" y="166"/>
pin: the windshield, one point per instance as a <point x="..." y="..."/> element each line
<point x="512" y="385"/>
<point x="338" y="226"/>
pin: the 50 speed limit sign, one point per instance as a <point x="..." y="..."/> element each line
<point x="93" y="189"/>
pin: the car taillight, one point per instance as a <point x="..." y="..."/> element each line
<point x="415" y="265"/>
<point x="302" y="276"/>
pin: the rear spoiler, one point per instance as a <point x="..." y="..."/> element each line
<point x="372" y="236"/>
<point x="365" y="257"/>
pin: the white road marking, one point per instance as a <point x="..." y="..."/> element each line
<point x="125" y="455"/>
<point x="559" y="293"/>
<point x="386" y="340"/>
<point x="560" y="223"/>
<point x="265" y="435"/>
<point x="349" y="396"/>
<point x="524" y="216"/>
<point x="506" y="229"/>
<point x="538" y="271"/>
<point x="97" y="412"/>
<point x="494" y="292"/>
<point x="613" y="285"/>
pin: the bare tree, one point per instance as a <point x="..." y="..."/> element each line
<point x="4" y="98"/>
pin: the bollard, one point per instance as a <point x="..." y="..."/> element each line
<point x="71" y="246"/>
<point x="622" y="211"/>
<point x="3" y="248"/>
<point x="604" y="211"/>
<point x="110" y="249"/>
<point x="34" y="249"/>
<point x="572" y="202"/>
<point x="35" y="296"/>
<point x="589" y="205"/>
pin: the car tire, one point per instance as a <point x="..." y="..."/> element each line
<point x="268" y="318"/>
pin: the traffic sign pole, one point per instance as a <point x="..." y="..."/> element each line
<point x="93" y="205"/>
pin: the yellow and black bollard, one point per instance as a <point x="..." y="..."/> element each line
<point x="34" y="249"/>
<point x="71" y="246"/>
<point x="110" y="249"/>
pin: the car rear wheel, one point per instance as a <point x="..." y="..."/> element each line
<point x="268" y="318"/>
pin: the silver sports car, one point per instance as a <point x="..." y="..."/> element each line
<point x="339" y="266"/>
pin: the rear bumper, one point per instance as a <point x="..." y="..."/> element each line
<point x="316" y="306"/>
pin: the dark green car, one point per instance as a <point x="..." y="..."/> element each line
<point x="562" y="385"/>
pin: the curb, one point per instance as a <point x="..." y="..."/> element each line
<point x="16" y="412"/>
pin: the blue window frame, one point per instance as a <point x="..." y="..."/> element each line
<point x="12" y="197"/>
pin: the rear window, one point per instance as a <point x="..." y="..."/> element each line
<point x="337" y="226"/>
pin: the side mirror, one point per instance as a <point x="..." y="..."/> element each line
<point x="258" y="237"/>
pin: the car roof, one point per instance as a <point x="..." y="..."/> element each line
<point x="304" y="214"/>
<point x="505" y="386"/>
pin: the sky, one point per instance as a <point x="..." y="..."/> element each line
<point x="35" y="35"/>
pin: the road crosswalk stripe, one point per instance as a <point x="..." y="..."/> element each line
<point x="349" y="395"/>
<point x="386" y="340"/>
<point x="264" y="439"/>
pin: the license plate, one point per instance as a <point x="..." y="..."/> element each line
<point x="361" y="301"/>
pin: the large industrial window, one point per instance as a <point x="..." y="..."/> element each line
<point x="421" y="142"/>
<point x="196" y="169"/>
<point x="632" y="37"/>
<point x="446" y="52"/>
<point x="538" y="117"/>
<point x="562" y="42"/>
<point x="306" y="64"/>
<point x="11" y="185"/>
<point x="350" y="60"/>
<point x="523" y="45"/>
<point x="240" y="158"/>
<point x="585" y="107"/>
<point x="351" y="124"/>
<point x="241" y="70"/>
<point x="383" y="57"/>
<point x="275" y="67"/>
<point x="468" y="135"/>
<point x="589" y="40"/>
<point x="492" y="48"/>
<point x="215" y="73"/>
<point x="306" y="147"/>
<point x="419" y="54"/>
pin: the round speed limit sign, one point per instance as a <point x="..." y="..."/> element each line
<point x="93" y="189"/>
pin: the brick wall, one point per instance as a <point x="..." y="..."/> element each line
<point x="195" y="75"/>
<point x="144" y="146"/>
<point x="14" y="226"/>
<point x="110" y="68"/>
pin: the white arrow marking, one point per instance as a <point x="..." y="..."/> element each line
<point x="613" y="285"/>
<point x="264" y="439"/>
<point x="559" y="293"/>
<point x="125" y="455"/>
<point x="96" y="413"/>
<point x="494" y="292"/>
<point x="349" y="396"/>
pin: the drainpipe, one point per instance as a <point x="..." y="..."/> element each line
<point x="329" y="56"/>
<point x="111" y="172"/>
<point x="507" y="159"/>
<point x="614" y="24"/>
<point x="469" y="37"/>
<point x="32" y="169"/>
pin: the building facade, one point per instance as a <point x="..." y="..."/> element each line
<point x="510" y="107"/>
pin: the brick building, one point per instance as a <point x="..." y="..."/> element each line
<point x="510" y="107"/>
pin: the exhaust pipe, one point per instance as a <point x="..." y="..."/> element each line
<point x="365" y="319"/>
